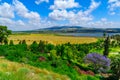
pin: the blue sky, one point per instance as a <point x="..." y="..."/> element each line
<point x="35" y="14"/>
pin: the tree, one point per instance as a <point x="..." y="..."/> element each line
<point x="4" y="32"/>
<point x="99" y="62"/>
<point x="41" y="46"/>
<point x="106" y="46"/>
<point x="11" y="43"/>
<point x="104" y="34"/>
<point x="24" y="44"/>
<point x="34" y="47"/>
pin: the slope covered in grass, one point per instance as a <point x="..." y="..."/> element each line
<point x="16" y="71"/>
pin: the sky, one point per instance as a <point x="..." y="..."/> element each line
<point x="20" y="15"/>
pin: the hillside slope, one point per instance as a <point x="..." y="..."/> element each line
<point x="16" y="71"/>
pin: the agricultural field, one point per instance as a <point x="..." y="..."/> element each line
<point x="51" y="38"/>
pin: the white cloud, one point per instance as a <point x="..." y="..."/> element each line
<point x="10" y="12"/>
<point x="82" y="18"/>
<point x="16" y="25"/>
<point x="112" y="13"/>
<point x="103" y="19"/>
<point x="4" y="21"/>
<point x="92" y="7"/>
<point x="74" y="18"/>
<point x="24" y="12"/>
<point x="64" y="4"/>
<point x="112" y="1"/>
<point x="61" y="15"/>
<point x="113" y="6"/>
<point x="33" y="18"/>
<point x="6" y="11"/>
<point x="40" y="1"/>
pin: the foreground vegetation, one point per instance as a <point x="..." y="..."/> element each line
<point x="16" y="71"/>
<point x="65" y="59"/>
<point x="87" y="61"/>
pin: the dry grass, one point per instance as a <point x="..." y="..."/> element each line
<point x="51" y="38"/>
<point x="16" y="71"/>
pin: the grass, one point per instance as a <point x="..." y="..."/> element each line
<point x="115" y="50"/>
<point x="51" y="38"/>
<point x="16" y="71"/>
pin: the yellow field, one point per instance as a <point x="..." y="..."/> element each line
<point x="50" y="38"/>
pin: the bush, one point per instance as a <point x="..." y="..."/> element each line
<point x="34" y="47"/>
<point x="115" y="66"/>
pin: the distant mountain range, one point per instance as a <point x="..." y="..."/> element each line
<point x="72" y="29"/>
<point x="77" y="29"/>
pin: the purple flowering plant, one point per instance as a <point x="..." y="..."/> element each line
<point x="99" y="62"/>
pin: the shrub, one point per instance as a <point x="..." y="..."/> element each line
<point x="41" y="46"/>
<point x="34" y="47"/>
<point x="99" y="63"/>
<point x="115" y="66"/>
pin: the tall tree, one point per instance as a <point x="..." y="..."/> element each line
<point x="4" y="32"/>
<point x="104" y="34"/>
<point x="106" y="46"/>
<point x="41" y="46"/>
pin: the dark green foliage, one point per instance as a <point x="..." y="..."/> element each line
<point x="49" y="47"/>
<point x="3" y="50"/>
<point x="4" y="32"/>
<point x="34" y="47"/>
<point x="41" y="46"/>
<point x="115" y="66"/>
<point x="106" y="46"/>
<point x="6" y="41"/>
<point x="23" y="43"/>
